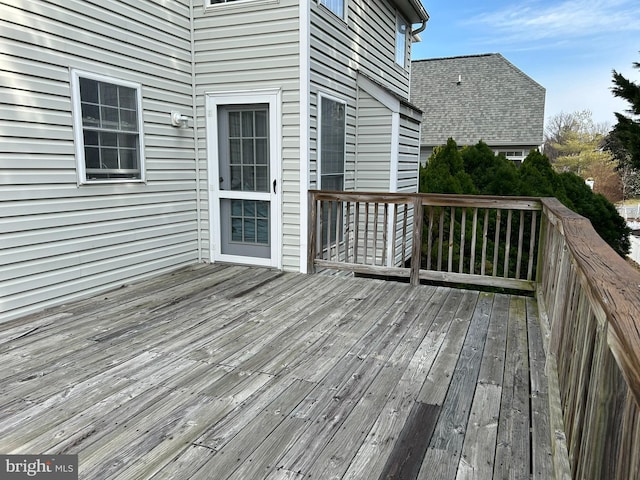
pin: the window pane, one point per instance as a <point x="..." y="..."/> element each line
<point x="90" y="115"/>
<point x="128" y="98"/>
<point x="336" y="6"/>
<point x="88" y="90"/>
<point x="236" y="178"/>
<point x="109" y="139"/>
<point x="262" y="179"/>
<point x="236" y="229"/>
<point x="249" y="230"/>
<point x="249" y="208"/>
<point x="128" y="159"/>
<point x="247" y="152"/>
<point x="109" y="158"/>
<point x="90" y="138"/>
<point x="128" y="141"/>
<point x="128" y="120"/>
<point x="332" y="182"/>
<point x="248" y="183"/>
<point x="92" y="157"/>
<point x="262" y="209"/>
<point x="108" y="94"/>
<point x="235" y="151"/>
<point x="261" y="123"/>
<point x="401" y="42"/>
<point x="247" y="124"/>
<point x="236" y="208"/>
<point x="109" y="118"/>
<point x="332" y="141"/>
<point x="262" y="152"/>
<point x="234" y="124"/>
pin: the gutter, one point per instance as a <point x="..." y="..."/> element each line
<point x="421" y="28"/>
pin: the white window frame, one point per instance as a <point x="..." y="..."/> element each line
<point x="78" y="128"/>
<point x="321" y="96"/>
<point x="339" y="236"/>
<point x="345" y="8"/>
<point x="401" y="56"/>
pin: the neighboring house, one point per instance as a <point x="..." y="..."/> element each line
<point x="140" y="136"/>
<point x="478" y="97"/>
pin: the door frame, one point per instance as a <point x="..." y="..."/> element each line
<point x="214" y="100"/>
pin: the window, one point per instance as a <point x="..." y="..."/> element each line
<point x="336" y="6"/>
<point x="332" y="141"/>
<point x="332" y="144"/>
<point x="108" y="128"/>
<point x="401" y="42"/>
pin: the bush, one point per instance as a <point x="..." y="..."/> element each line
<point x="476" y="170"/>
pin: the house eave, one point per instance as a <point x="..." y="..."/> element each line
<point x="413" y="10"/>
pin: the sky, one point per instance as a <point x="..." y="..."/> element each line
<point x="570" y="47"/>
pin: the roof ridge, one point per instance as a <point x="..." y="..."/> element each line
<point x="455" y="57"/>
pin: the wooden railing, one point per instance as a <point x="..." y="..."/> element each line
<point x="475" y="240"/>
<point x="588" y="297"/>
<point x="591" y="297"/>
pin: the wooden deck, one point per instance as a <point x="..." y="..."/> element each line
<point x="247" y="373"/>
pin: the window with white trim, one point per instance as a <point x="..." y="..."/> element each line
<point x="336" y="6"/>
<point x="401" y="42"/>
<point x="332" y="143"/>
<point x="332" y="146"/>
<point x="108" y="128"/>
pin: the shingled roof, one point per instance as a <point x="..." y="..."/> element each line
<point x="477" y="97"/>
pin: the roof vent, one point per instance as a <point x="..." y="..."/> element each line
<point x="459" y="79"/>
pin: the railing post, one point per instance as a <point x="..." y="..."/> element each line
<point x="416" y="248"/>
<point x="313" y="226"/>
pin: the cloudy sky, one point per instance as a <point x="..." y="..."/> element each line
<point x="570" y="47"/>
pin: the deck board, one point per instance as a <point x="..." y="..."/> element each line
<point x="240" y="372"/>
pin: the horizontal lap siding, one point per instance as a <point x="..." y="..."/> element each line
<point x="408" y="154"/>
<point x="246" y="47"/>
<point x="339" y="50"/>
<point x="408" y="160"/>
<point x="58" y="240"/>
<point x="374" y="145"/>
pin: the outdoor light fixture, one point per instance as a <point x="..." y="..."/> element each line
<point x="179" y="120"/>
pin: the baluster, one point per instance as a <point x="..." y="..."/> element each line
<point x="507" y="246"/>
<point x="474" y="234"/>
<point x="484" y="242"/>
<point x="496" y="243"/>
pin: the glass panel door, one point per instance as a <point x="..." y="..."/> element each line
<point x="245" y="186"/>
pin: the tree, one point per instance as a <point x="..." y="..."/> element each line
<point x="444" y="173"/>
<point x="577" y="145"/>
<point x="629" y="175"/>
<point x="477" y="170"/>
<point x="556" y="131"/>
<point x="627" y="130"/>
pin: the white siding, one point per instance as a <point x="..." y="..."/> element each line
<point x="247" y="46"/>
<point x="374" y="136"/>
<point x="408" y="150"/>
<point x="365" y="43"/>
<point x="58" y="240"/>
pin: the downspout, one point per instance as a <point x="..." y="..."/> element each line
<point x="420" y="28"/>
<point x="195" y="131"/>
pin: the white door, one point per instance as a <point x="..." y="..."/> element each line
<point x="244" y="159"/>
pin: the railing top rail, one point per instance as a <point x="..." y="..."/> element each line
<point x="612" y="282"/>
<point x="434" y="199"/>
